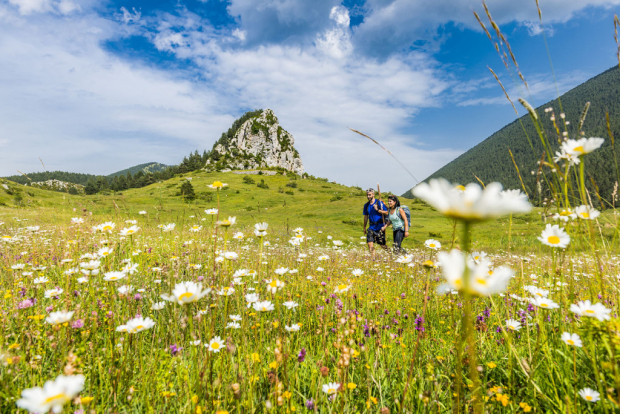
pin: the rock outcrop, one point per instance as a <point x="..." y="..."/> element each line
<point x="258" y="143"/>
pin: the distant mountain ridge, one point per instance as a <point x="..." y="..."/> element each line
<point x="82" y="179"/>
<point x="490" y="160"/>
<point x="149" y="167"/>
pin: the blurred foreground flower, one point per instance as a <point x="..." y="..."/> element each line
<point x="582" y="146"/>
<point x="586" y="308"/>
<point x="53" y="396"/>
<point x="482" y="281"/>
<point x="470" y="203"/>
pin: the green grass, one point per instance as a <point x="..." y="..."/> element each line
<point x="310" y="207"/>
<point x="364" y="337"/>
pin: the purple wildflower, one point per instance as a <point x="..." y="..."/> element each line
<point x="174" y="350"/>
<point x="25" y="304"/>
<point x="77" y="324"/>
<point x="302" y="355"/>
<point x="419" y="324"/>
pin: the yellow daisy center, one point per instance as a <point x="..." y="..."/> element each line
<point x="481" y="281"/>
<point x="139" y="327"/>
<point x="579" y="149"/>
<point x="589" y="397"/>
<point x="585" y="214"/>
<point x="342" y="287"/>
<point x="553" y="240"/>
<point x="331" y="391"/>
<point x="60" y="396"/>
<point x="186" y="295"/>
<point x="570" y="342"/>
<point x="460" y="187"/>
<point x="431" y="245"/>
<point x="589" y="311"/>
<point x="215" y="345"/>
<point x="543" y="305"/>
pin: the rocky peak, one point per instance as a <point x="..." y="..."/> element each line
<point x="259" y="142"/>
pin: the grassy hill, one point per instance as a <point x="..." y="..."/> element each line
<point x="315" y="205"/>
<point x="148" y="167"/>
<point x="490" y="160"/>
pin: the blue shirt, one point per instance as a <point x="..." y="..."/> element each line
<point x="375" y="218"/>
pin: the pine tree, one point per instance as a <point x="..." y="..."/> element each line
<point x="187" y="191"/>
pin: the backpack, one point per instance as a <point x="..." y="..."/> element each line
<point x="407" y="213"/>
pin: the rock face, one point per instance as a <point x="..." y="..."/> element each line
<point x="259" y="142"/>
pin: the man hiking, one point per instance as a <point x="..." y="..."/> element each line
<point x="374" y="210"/>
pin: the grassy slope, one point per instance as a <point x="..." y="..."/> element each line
<point x="310" y="209"/>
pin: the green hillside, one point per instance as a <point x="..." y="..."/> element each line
<point x="75" y="178"/>
<point x="287" y="203"/>
<point x="490" y="160"/>
<point x="149" y="167"/>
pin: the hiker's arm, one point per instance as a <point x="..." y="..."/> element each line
<point x="388" y="224"/>
<point x="404" y="216"/>
<point x="365" y="221"/>
<point x="383" y="212"/>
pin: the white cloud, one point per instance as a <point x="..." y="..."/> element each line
<point x="340" y="15"/>
<point x="27" y="7"/>
<point x="64" y="98"/>
<point x="391" y="25"/>
<point x="541" y="89"/>
<point x="130" y="16"/>
<point x="276" y="21"/>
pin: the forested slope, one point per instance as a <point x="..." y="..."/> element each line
<point x="490" y="160"/>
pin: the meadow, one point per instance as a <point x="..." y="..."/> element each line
<point x="143" y="302"/>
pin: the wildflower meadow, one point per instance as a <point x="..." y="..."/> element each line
<point x="119" y="313"/>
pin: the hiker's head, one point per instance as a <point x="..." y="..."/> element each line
<point x="370" y="193"/>
<point x="393" y="201"/>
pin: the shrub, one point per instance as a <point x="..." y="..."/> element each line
<point x="292" y="184"/>
<point x="248" y="180"/>
<point x="262" y="184"/>
<point x="336" y="198"/>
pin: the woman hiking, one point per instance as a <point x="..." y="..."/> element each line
<point x="398" y="220"/>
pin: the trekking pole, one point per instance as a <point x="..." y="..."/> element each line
<point x="379" y="191"/>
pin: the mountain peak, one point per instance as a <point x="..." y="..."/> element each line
<point x="258" y="142"/>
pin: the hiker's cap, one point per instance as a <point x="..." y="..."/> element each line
<point x="370" y="190"/>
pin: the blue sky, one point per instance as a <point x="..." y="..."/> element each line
<point x="95" y="87"/>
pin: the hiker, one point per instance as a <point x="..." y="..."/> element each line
<point x="374" y="210"/>
<point x="397" y="218"/>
